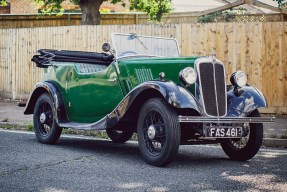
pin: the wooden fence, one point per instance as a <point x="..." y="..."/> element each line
<point x="260" y="49"/>
<point x="31" y="21"/>
<point x="35" y="20"/>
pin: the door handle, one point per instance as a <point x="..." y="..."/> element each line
<point x="112" y="80"/>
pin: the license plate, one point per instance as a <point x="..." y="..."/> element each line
<point x="224" y="132"/>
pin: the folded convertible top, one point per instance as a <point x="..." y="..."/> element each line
<point x="48" y="55"/>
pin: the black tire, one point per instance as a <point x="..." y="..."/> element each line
<point x="158" y="132"/>
<point x="120" y="136"/>
<point x="239" y="150"/>
<point x="46" y="129"/>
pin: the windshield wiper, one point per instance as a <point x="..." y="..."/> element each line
<point x="134" y="35"/>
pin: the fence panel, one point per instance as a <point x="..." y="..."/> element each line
<point x="260" y="49"/>
<point x="68" y="19"/>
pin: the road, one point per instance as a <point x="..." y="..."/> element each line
<point x="87" y="164"/>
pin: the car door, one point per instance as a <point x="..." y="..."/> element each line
<point x="92" y="91"/>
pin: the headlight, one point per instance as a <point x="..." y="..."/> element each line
<point x="238" y="79"/>
<point x="188" y="76"/>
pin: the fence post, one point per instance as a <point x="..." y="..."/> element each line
<point x="14" y="59"/>
<point x="136" y="18"/>
<point x="69" y="19"/>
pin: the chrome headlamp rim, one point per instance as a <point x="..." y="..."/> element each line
<point x="238" y="79"/>
<point x="188" y="76"/>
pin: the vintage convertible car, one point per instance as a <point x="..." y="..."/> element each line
<point x="143" y="86"/>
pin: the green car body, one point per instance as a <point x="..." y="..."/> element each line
<point x="88" y="95"/>
<point x="126" y="94"/>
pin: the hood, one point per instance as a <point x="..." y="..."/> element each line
<point x="137" y="71"/>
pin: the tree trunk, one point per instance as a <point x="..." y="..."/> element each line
<point x="90" y="11"/>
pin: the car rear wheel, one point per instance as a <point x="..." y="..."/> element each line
<point x="158" y="132"/>
<point x="247" y="147"/>
<point x="120" y="136"/>
<point x="46" y="129"/>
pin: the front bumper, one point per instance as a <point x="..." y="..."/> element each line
<point x="200" y="119"/>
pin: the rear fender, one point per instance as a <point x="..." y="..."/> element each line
<point x="244" y="104"/>
<point x="58" y="102"/>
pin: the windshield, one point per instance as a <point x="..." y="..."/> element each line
<point x="130" y="45"/>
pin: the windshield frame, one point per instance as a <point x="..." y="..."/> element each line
<point x="140" y="55"/>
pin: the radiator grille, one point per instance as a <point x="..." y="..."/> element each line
<point x="213" y="90"/>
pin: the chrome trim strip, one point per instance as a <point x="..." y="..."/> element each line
<point x="215" y="87"/>
<point x="199" y="119"/>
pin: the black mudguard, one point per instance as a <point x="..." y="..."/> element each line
<point x="243" y="104"/>
<point x="175" y="95"/>
<point x="58" y="102"/>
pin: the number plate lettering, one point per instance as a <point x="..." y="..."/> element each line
<point x="223" y="132"/>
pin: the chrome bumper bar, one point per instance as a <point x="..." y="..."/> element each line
<point x="200" y="119"/>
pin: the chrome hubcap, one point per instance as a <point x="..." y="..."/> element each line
<point x="43" y="118"/>
<point x="151" y="132"/>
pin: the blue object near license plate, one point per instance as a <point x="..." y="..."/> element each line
<point x="224" y="132"/>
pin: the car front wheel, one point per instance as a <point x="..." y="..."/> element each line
<point x="46" y="129"/>
<point x="158" y="132"/>
<point x="247" y="147"/>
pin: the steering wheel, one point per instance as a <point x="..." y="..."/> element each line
<point x="127" y="52"/>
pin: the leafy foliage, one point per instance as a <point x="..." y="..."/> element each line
<point x="154" y="8"/>
<point x="50" y="6"/>
<point x="281" y="3"/>
<point x="3" y="3"/>
<point x="221" y="16"/>
<point x="224" y="16"/>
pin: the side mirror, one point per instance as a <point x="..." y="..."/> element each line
<point x="106" y="47"/>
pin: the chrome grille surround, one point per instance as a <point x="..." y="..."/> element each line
<point x="211" y="86"/>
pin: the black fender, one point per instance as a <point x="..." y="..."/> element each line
<point x="175" y="95"/>
<point x="243" y="104"/>
<point x="58" y="103"/>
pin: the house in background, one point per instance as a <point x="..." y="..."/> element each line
<point x="231" y="10"/>
<point x="203" y="5"/>
<point x="30" y="7"/>
<point x="184" y="11"/>
<point x="20" y="7"/>
<point x="5" y="9"/>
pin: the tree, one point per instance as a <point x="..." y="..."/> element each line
<point x="281" y="3"/>
<point x="90" y="8"/>
<point x="3" y="3"/>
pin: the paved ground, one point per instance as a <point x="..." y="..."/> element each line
<point x="89" y="164"/>
<point x="10" y="113"/>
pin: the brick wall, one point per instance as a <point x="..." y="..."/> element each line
<point x="23" y="7"/>
<point x="116" y="7"/>
<point x="4" y="9"/>
<point x="29" y="7"/>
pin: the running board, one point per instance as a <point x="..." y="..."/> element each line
<point x="199" y="119"/>
<point x="99" y="125"/>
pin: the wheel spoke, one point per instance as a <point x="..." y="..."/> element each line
<point x="241" y="143"/>
<point x="155" y="146"/>
<point x="151" y="117"/>
<point x="147" y="124"/>
<point x="45" y="127"/>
